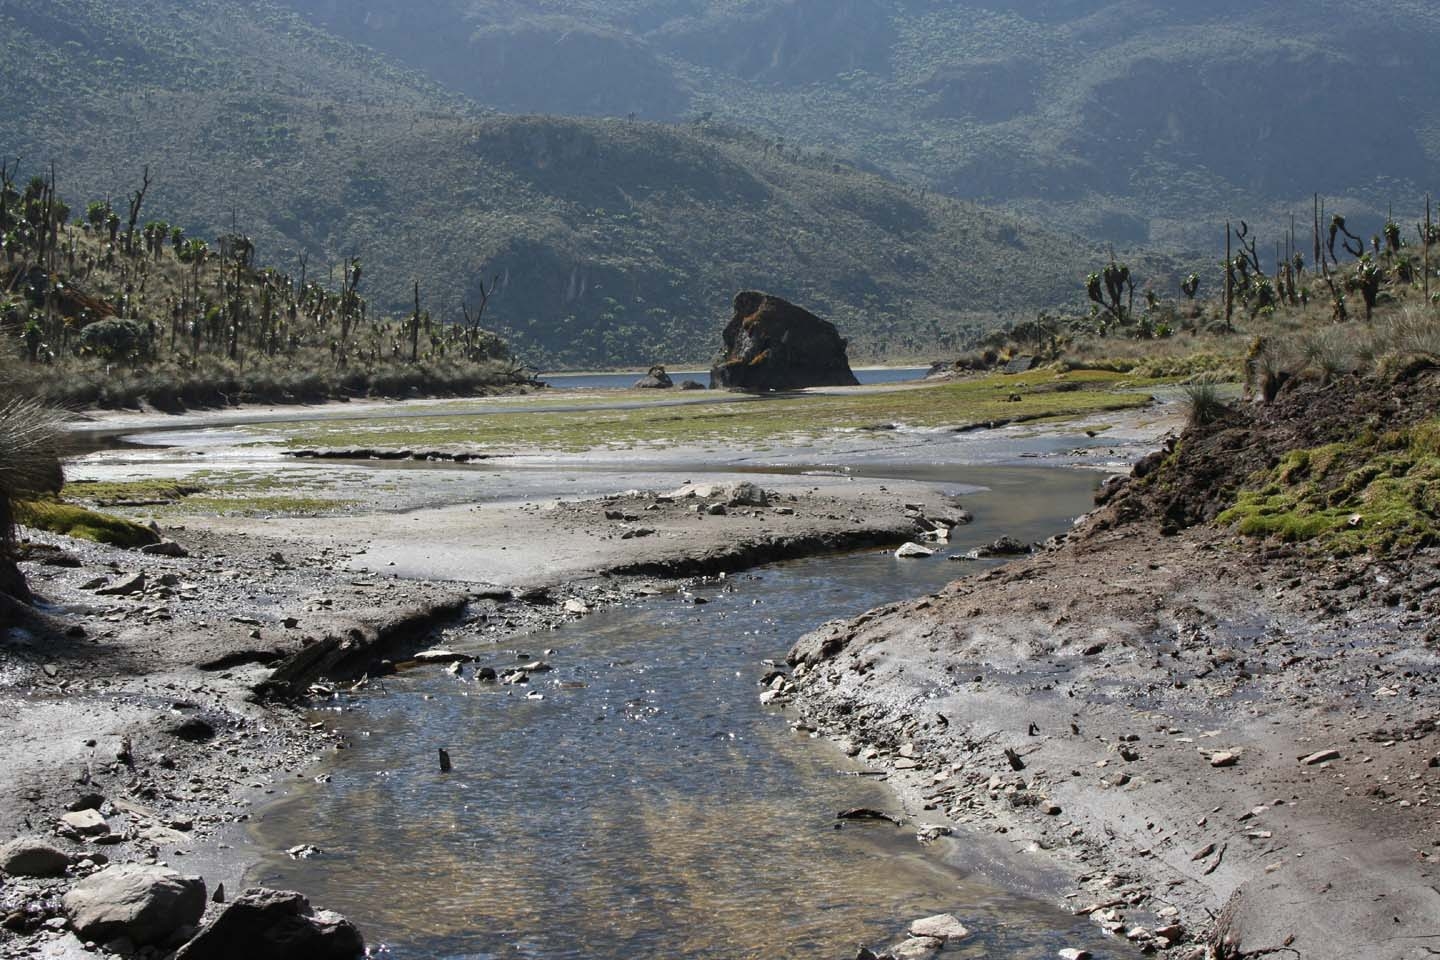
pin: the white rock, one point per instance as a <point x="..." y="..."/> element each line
<point x="87" y="823"/>
<point x="942" y="926"/>
<point x="914" y="551"/>
<point x="1321" y="757"/>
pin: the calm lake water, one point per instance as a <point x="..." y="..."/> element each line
<point x="648" y="805"/>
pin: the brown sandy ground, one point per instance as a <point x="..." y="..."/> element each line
<point x="1230" y="750"/>
<point x="173" y="706"/>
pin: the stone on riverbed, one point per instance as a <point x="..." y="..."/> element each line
<point x="86" y="823"/>
<point x="442" y="656"/>
<point x="917" y="948"/>
<point x="144" y="904"/>
<point x="1004" y="547"/>
<point x="1323" y="756"/>
<point x="165" y="548"/>
<point x="33" y="857"/>
<point x="127" y="586"/>
<point x="914" y="551"/>
<point x="741" y="494"/>
<point x="276" y="925"/>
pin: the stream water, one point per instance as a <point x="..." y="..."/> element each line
<point x="638" y="801"/>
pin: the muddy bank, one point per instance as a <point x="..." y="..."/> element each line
<point x="157" y="698"/>
<point x="1230" y="747"/>
<point x="676" y="531"/>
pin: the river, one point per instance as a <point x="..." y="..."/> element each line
<point x="638" y="801"/>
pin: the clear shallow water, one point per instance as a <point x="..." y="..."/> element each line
<point x="599" y="381"/>
<point x="648" y="806"/>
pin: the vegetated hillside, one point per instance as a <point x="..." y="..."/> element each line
<point x="1129" y="120"/>
<point x="99" y="305"/>
<point x="613" y="241"/>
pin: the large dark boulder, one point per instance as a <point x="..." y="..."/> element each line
<point x="771" y="344"/>
<point x="276" y="925"/>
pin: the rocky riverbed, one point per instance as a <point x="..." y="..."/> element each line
<point x="156" y="699"/>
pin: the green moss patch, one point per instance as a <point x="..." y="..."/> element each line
<point x="76" y="521"/>
<point x="958" y="404"/>
<point x="275" y="505"/>
<point x="130" y="492"/>
<point x="1378" y="493"/>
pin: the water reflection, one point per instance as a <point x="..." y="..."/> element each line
<point x="648" y="806"/>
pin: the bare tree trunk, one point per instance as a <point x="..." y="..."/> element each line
<point x="1426" y="266"/>
<point x="415" y="327"/>
<point x="135" y="203"/>
<point x="1229" y="280"/>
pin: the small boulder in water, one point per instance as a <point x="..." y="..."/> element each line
<point x="656" y="379"/>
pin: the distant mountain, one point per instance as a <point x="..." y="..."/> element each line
<point x="1134" y="121"/>
<point x="614" y="241"/>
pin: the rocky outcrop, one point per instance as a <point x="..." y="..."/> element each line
<point x="143" y="904"/>
<point x="771" y="344"/>
<point x="277" y="925"/>
<point x="656" y="379"/>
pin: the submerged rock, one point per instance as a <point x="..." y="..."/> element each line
<point x="771" y="344"/>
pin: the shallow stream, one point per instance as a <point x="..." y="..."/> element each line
<point x="638" y="801"/>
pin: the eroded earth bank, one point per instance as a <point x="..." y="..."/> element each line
<point x="1227" y="744"/>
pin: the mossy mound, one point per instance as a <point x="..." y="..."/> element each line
<point x="1345" y="466"/>
<point x="130" y="492"/>
<point x="1377" y="493"/>
<point x="74" y="521"/>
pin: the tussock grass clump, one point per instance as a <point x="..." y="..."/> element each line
<point x="1377" y="493"/>
<point x="1329" y="353"/>
<point x="1203" y="404"/>
<point x="29" y="465"/>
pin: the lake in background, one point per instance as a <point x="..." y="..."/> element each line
<point x="612" y="381"/>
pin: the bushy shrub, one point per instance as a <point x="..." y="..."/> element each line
<point x="118" y="341"/>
